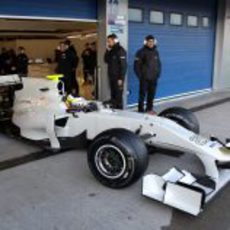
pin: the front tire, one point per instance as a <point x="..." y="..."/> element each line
<point x="117" y="158"/>
<point x="183" y="117"/>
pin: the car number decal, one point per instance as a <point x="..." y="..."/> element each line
<point x="199" y="140"/>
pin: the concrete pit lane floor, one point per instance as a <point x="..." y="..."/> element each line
<point x="59" y="193"/>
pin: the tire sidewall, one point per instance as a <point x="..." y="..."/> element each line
<point x="183" y="117"/>
<point x="134" y="165"/>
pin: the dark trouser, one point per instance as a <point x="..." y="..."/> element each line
<point x="71" y="84"/>
<point x="116" y="93"/>
<point x="22" y="75"/>
<point x="74" y="84"/>
<point x="147" y="87"/>
<point x="86" y="74"/>
<point x="92" y="75"/>
<point x="67" y="84"/>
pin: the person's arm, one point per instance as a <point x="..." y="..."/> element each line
<point x="138" y="63"/>
<point x="83" y="54"/>
<point x="123" y="64"/>
<point x="56" y="55"/>
<point x="159" y="64"/>
<point x="106" y="56"/>
<point x="75" y="60"/>
<point x="26" y="59"/>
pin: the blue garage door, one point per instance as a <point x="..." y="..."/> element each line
<point x="50" y="8"/>
<point x="186" y="51"/>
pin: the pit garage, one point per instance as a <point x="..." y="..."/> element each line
<point x="40" y="27"/>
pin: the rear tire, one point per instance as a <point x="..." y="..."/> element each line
<point x="183" y="117"/>
<point x="117" y="158"/>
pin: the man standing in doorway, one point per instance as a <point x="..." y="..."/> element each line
<point x="22" y="62"/>
<point x="147" y="66"/>
<point x="66" y="65"/>
<point x="115" y="57"/>
<point x="93" y="62"/>
<point x="86" y="59"/>
<point x="72" y="52"/>
<point x="3" y="57"/>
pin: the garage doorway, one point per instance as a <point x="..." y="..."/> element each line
<point x="40" y="38"/>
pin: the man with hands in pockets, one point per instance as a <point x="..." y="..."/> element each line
<point x="147" y="66"/>
<point x="116" y="59"/>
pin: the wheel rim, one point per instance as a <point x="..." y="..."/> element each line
<point x="110" y="161"/>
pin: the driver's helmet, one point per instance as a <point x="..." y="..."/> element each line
<point x="76" y="101"/>
<point x="79" y="104"/>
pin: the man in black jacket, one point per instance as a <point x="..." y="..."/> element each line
<point x="22" y="62"/>
<point x="93" y="57"/>
<point x="115" y="57"/>
<point x="86" y="59"/>
<point x="67" y="63"/>
<point x="71" y="50"/>
<point x="147" y="67"/>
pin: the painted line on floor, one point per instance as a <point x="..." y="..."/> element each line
<point x="210" y="104"/>
<point x="31" y="157"/>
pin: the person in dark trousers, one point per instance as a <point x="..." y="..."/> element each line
<point x="116" y="59"/>
<point x="66" y="65"/>
<point x="1" y="65"/>
<point x="3" y="58"/>
<point x="57" y="52"/>
<point x="86" y="59"/>
<point x="147" y="66"/>
<point x="22" y="62"/>
<point x="93" y="65"/>
<point x="11" y="62"/>
<point x="73" y="53"/>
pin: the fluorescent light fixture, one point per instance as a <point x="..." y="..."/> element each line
<point x="78" y="36"/>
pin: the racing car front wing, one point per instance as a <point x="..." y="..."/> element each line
<point x="182" y="190"/>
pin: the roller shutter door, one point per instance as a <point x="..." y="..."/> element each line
<point x="187" y="53"/>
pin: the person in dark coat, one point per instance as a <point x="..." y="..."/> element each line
<point x="11" y="62"/>
<point x="147" y="66"/>
<point x="86" y="59"/>
<point x="22" y="62"/>
<point x="73" y="53"/>
<point x="1" y="65"/>
<point x="116" y="59"/>
<point x="57" y="52"/>
<point x="93" y="63"/>
<point x="3" y="58"/>
<point x="71" y="47"/>
<point x="66" y="65"/>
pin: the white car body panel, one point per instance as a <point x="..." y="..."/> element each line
<point x="36" y="110"/>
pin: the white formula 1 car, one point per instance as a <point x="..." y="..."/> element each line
<point x="118" y="140"/>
